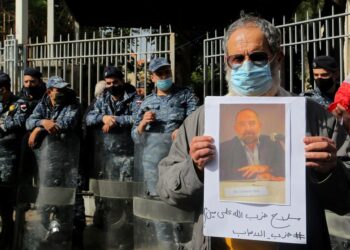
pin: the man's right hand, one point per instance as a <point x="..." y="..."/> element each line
<point x="50" y="126"/>
<point x="32" y="137"/>
<point x="202" y="150"/>
<point x="109" y="120"/>
<point x="148" y="118"/>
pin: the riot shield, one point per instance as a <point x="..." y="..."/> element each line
<point x="8" y="159"/>
<point x="8" y="168"/>
<point x="156" y="224"/>
<point x="112" y="188"/>
<point x="49" y="219"/>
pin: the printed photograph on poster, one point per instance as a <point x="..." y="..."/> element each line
<point x="255" y="187"/>
<point x="252" y="153"/>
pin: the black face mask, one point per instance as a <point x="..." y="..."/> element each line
<point x="324" y="84"/>
<point x="35" y="92"/>
<point x="60" y="98"/>
<point x="116" y="90"/>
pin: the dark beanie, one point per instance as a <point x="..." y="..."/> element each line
<point x="325" y="62"/>
<point x="32" y="72"/>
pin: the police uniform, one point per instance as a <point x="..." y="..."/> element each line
<point x="105" y="105"/>
<point x="170" y="110"/>
<point x="66" y="116"/>
<point x="9" y="150"/>
<point x="321" y="93"/>
<point x="113" y="162"/>
<point x="8" y="129"/>
<point x="58" y="162"/>
<point x="153" y="229"/>
<point x="318" y="97"/>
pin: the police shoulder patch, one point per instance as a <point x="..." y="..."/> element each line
<point x="12" y="108"/>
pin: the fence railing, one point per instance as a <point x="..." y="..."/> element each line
<point x="81" y="62"/>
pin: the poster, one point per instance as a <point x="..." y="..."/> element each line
<point x="255" y="187"/>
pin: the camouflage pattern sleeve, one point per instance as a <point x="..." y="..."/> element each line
<point x="192" y="101"/>
<point x="69" y="118"/>
<point x="135" y="106"/>
<point x="125" y="119"/>
<point x="138" y="117"/>
<point x="17" y="118"/>
<point x="95" y="115"/>
<point x="34" y="120"/>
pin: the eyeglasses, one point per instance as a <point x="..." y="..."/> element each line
<point x="259" y="58"/>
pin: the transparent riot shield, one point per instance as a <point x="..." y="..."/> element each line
<point x="8" y="168"/>
<point x="112" y="188"/>
<point x="49" y="219"/>
<point x="156" y="224"/>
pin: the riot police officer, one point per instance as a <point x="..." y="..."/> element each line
<point x="165" y="109"/>
<point x="9" y="148"/>
<point x="32" y="91"/>
<point x="112" y="175"/>
<point x="54" y="136"/>
<point x="158" y="119"/>
<point x="326" y="74"/>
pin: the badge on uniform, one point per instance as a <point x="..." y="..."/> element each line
<point x="12" y="108"/>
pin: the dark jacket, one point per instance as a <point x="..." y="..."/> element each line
<point x="233" y="157"/>
<point x="180" y="185"/>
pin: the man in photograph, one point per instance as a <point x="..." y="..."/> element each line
<point x="251" y="155"/>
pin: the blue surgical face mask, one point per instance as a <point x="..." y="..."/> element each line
<point x="164" y="84"/>
<point x="251" y="80"/>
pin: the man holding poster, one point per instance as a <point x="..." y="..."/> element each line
<point x="253" y="60"/>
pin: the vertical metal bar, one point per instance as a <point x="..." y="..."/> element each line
<point x="211" y="68"/>
<point x="341" y="59"/>
<point x="284" y="34"/>
<point x="205" y="67"/>
<point x="314" y="44"/>
<point x="172" y="53"/>
<point x="307" y="32"/>
<point x="319" y="29"/>
<point x="327" y="36"/>
<point x="81" y="82"/>
<point x="295" y="34"/>
<point x="332" y="20"/>
<point x="341" y="47"/>
<point x="221" y="64"/>
<point x="302" y="58"/>
<point x="89" y="79"/>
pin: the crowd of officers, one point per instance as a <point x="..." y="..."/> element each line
<point x="39" y="130"/>
<point x="43" y="120"/>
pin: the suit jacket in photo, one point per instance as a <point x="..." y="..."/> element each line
<point x="233" y="156"/>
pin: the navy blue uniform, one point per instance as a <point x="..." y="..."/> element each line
<point x="170" y="110"/>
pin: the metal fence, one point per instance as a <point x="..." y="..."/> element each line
<point x="81" y="62"/>
<point x="9" y="58"/>
<point x="301" y="42"/>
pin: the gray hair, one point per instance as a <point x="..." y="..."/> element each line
<point x="272" y="34"/>
<point x="99" y="88"/>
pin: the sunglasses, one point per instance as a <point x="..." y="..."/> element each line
<point x="259" y="58"/>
